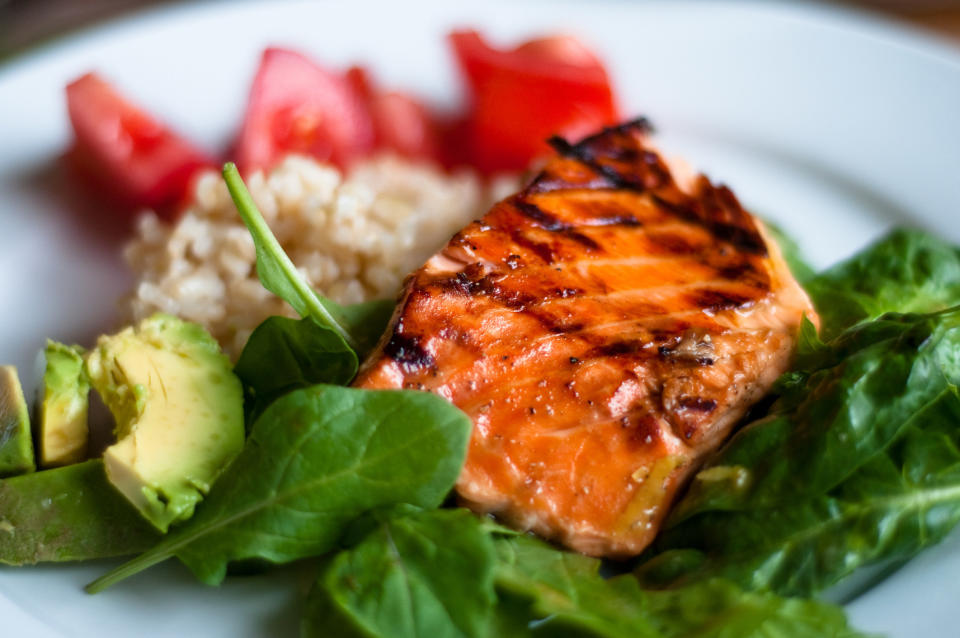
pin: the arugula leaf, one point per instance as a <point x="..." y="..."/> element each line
<point x="277" y="273"/>
<point x="68" y="513"/>
<point x="568" y="597"/>
<point x="418" y="573"/>
<point x="895" y="505"/>
<point x="905" y="271"/>
<point x="855" y="395"/>
<point x="316" y="459"/>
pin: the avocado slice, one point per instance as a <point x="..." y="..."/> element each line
<point x="63" y="431"/>
<point x="16" y="444"/>
<point x="179" y="414"/>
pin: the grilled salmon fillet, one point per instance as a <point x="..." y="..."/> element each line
<point x="604" y="328"/>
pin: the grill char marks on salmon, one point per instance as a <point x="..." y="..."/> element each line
<point x="604" y="328"/>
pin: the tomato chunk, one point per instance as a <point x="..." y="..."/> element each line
<point x="297" y="106"/>
<point x="519" y="97"/>
<point x="401" y="123"/>
<point x="132" y="157"/>
<point x="560" y="48"/>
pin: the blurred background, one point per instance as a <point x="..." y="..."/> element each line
<point x="25" y="23"/>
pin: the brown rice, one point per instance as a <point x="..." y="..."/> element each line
<point x="353" y="238"/>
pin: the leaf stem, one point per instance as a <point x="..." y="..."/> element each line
<point x="255" y="222"/>
<point x="128" y="569"/>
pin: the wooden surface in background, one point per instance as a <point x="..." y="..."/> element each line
<point x="945" y="22"/>
<point x="25" y="23"/>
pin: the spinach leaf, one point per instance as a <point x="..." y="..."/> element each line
<point x="287" y="354"/>
<point x="68" y="513"/>
<point x="857" y="463"/>
<point x="277" y="273"/>
<point x="791" y="252"/>
<point x="906" y="271"/>
<point x="366" y="322"/>
<point x="567" y="597"/>
<point x="854" y="396"/>
<point x="895" y="505"/>
<point x="566" y="594"/>
<point x="418" y="573"/>
<point x="315" y="460"/>
<point x="719" y="609"/>
<point x="282" y="354"/>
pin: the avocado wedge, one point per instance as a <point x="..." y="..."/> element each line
<point x="63" y="431"/>
<point x="179" y="414"/>
<point x="16" y="444"/>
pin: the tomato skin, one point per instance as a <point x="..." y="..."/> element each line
<point x="405" y="126"/>
<point x="401" y="123"/>
<point x="560" y="48"/>
<point x="522" y="96"/>
<point x="296" y="106"/>
<point x="131" y="157"/>
<point x="518" y="98"/>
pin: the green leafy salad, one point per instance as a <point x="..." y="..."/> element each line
<point x="852" y="460"/>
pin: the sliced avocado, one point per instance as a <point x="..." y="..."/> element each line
<point x="16" y="444"/>
<point x="179" y="413"/>
<point x="63" y="432"/>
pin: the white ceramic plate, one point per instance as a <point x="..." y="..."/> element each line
<point x="834" y="124"/>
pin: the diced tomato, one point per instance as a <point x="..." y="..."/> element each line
<point x="297" y="106"/>
<point x="133" y="158"/>
<point x="360" y="81"/>
<point x="519" y="97"/>
<point x="405" y="126"/>
<point x="560" y="48"/>
<point x="400" y="123"/>
<point x="455" y="148"/>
